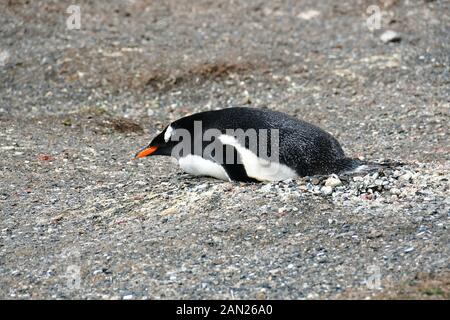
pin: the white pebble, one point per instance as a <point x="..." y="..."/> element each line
<point x="327" y="190"/>
<point x="406" y="176"/>
<point x="390" y="36"/>
<point x="333" y="182"/>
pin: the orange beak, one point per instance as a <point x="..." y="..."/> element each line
<point x="145" y="152"/>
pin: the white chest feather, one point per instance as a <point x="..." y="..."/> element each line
<point x="199" y="166"/>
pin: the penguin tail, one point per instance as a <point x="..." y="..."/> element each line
<point x="356" y="165"/>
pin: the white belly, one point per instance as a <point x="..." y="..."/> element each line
<point x="198" y="166"/>
<point x="257" y="168"/>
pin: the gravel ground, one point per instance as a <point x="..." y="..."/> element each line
<point x="80" y="219"/>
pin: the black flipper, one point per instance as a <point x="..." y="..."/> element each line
<point x="233" y="165"/>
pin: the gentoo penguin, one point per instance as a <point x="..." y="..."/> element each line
<point x="250" y="145"/>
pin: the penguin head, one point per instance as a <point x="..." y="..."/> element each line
<point x="161" y="145"/>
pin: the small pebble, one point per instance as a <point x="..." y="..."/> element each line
<point x="405" y="177"/>
<point x="333" y="182"/>
<point x="390" y="36"/>
<point x="327" y="190"/>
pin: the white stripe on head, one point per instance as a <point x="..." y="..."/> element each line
<point x="168" y="133"/>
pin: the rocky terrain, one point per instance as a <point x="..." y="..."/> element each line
<point x="81" y="219"/>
